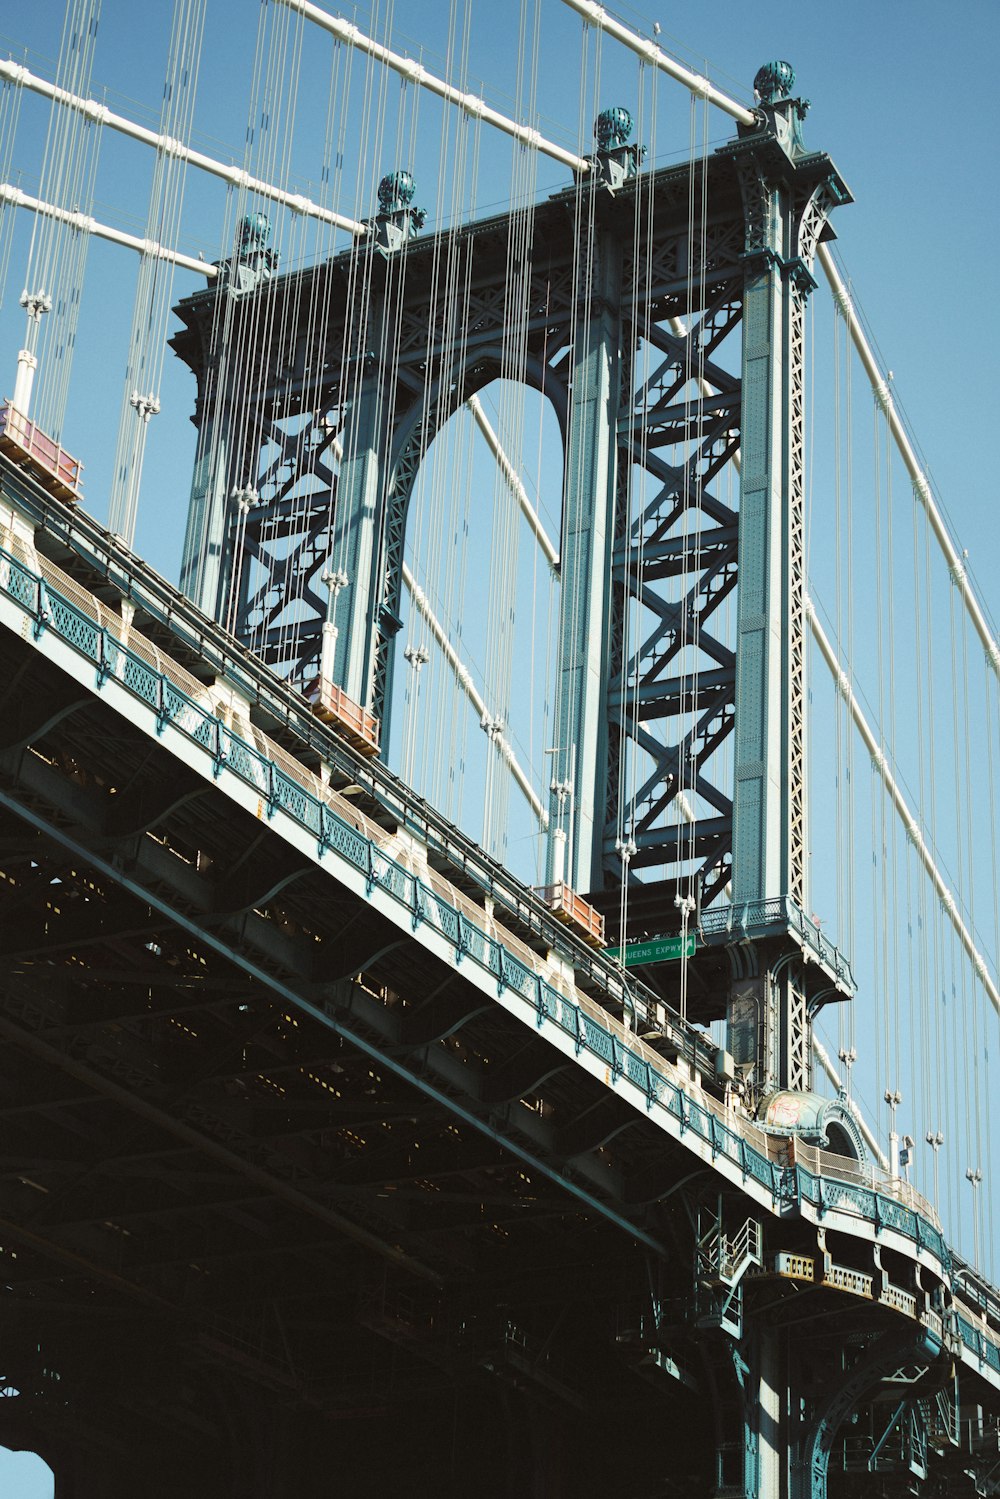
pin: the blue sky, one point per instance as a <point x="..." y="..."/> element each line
<point x="902" y="99"/>
<point x="903" y="96"/>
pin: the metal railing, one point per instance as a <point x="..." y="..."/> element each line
<point x="782" y="913"/>
<point x="516" y="969"/>
<point x="825" y="1182"/>
<point x="226" y="656"/>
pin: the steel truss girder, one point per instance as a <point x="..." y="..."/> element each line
<point x="281" y="542"/>
<point x="306" y="373"/>
<point x="673" y="695"/>
<point x="285" y="968"/>
<point x="678" y="768"/>
<point x="679" y="624"/>
<point x="388" y="371"/>
<point x="874" y="1363"/>
<point x="682" y="533"/>
<point x="401" y="351"/>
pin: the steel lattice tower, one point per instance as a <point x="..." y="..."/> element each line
<point x="395" y="362"/>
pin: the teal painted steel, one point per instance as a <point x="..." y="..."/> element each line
<point x="359" y="489"/>
<point x="788" y="1187"/>
<point x="583" y="661"/>
<point x="787" y="195"/>
<point x="756" y="920"/>
<point x="774" y="81"/>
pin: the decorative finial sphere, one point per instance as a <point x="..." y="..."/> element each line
<point x="613" y="128"/>
<point x="255" y="229"/>
<point x="774" y="81"/>
<point x="396" y="191"/>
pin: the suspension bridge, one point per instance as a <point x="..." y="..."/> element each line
<point x="500" y="957"/>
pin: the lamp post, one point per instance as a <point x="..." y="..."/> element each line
<point x="34" y="304"/>
<point x="848" y="1056"/>
<point x="685" y="904"/>
<point x="974" y="1177"/>
<point x="335" y="582"/>
<point x="563" y="793"/>
<point x="935" y="1140"/>
<point x="906" y="1156"/>
<point x="416" y="656"/>
<point x="561" y="825"/>
<point x="893" y="1098"/>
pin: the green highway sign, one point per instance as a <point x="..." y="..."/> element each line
<point x="655" y="950"/>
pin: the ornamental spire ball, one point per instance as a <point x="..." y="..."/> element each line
<point x="255" y="230"/>
<point x="613" y="128"/>
<point x="396" y="191"/>
<point x="774" y="81"/>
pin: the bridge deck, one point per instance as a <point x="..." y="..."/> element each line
<point x="277" y="1036"/>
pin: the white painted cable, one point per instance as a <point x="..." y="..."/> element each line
<point x="88" y="225"/>
<point x="655" y="57"/>
<point x="415" y="72"/>
<point x="464" y="679"/>
<point x="516" y="487"/>
<point x="681" y="801"/>
<point x="871" y="741"/>
<point x="13" y="72"/>
<point x="944" y="894"/>
<point x="823" y="1058"/>
<point x="921" y="484"/>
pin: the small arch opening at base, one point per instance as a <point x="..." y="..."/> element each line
<point x="25" y="1475"/>
<point x="840" y="1142"/>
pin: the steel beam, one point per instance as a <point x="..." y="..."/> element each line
<point x="788" y="195"/>
<point x="588" y="530"/>
<point x="189" y="914"/>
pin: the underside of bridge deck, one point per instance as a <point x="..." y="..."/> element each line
<point x="289" y="1205"/>
<point x="235" y="1245"/>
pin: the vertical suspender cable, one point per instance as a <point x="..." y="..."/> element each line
<point x="10" y="111"/>
<point x="154" y="288"/>
<point x="58" y="250"/>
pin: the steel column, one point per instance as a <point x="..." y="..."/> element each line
<point x="205" y="540"/>
<point x="768" y="854"/>
<point x="222" y="412"/>
<point x="360" y="514"/>
<point x="787" y="195"/>
<point x="588" y="535"/>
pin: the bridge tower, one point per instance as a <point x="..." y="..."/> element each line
<point x="302" y="1072"/>
<point x="312" y="441"/>
<point x="699" y="346"/>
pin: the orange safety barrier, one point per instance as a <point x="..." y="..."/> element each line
<point x="28" y="445"/>
<point x="567" y="906"/>
<point x="331" y="703"/>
